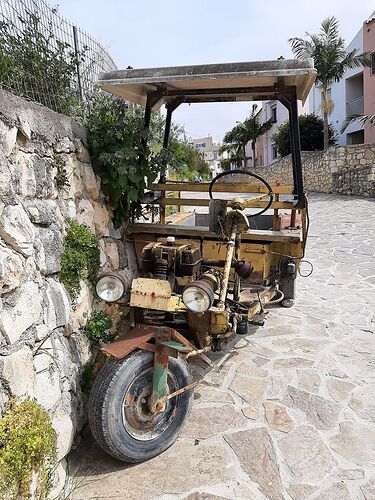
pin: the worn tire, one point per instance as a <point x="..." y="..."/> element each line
<point x="113" y="431"/>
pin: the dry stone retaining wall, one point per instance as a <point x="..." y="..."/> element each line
<point x="346" y="170"/>
<point x="42" y="351"/>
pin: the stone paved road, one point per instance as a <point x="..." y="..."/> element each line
<point x="291" y="413"/>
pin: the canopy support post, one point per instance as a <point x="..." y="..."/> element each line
<point x="170" y="106"/>
<point x="289" y="99"/>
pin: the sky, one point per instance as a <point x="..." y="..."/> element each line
<point x="154" y="33"/>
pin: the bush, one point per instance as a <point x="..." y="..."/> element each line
<point x="27" y="445"/>
<point x="311" y="132"/>
<point x="35" y="64"/>
<point x="97" y="326"/>
<point x="80" y="258"/>
<point x="115" y="130"/>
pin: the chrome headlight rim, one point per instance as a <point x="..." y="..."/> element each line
<point x="202" y="287"/>
<point x="115" y="278"/>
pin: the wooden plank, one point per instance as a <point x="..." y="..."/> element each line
<point x="283" y="236"/>
<point x="202" y="187"/>
<point x="193" y="202"/>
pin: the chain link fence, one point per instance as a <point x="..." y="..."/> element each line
<point x="45" y="58"/>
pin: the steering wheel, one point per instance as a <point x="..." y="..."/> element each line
<point x="249" y="200"/>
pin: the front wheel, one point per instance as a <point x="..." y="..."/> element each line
<point x="119" y="416"/>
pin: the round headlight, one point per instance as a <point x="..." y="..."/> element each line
<point x="198" y="297"/>
<point x="110" y="288"/>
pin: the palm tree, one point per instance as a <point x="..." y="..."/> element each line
<point x="241" y="134"/>
<point x="362" y="119"/>
<point x="331" y="60"/>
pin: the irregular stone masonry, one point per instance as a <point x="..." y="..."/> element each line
<point x="343" y="170"/>
<point x="42" y="351"/>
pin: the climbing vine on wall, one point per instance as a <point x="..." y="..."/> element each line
<point x="80" y="258"/>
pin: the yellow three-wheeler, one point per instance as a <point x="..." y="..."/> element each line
<point x="198" y="284"/>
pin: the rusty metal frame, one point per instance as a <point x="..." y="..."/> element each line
<point x="138" y="338"/>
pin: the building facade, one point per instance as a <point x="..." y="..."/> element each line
<point x="265" y="151"/>
<point x="210" y="150"/>
<point x="354" y="94"/>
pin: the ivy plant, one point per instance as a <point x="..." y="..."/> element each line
<point x="80" y="258"/>
<point x="27" y="446"/>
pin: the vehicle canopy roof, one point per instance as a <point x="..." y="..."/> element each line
<point x="243" y="81"/>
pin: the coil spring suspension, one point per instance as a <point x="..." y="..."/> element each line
<point x="153" y="317"/>
<point x="161" y="269"/>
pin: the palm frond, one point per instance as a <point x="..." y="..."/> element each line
<point x="330" y="27"/>
<point x="362" y="119"/>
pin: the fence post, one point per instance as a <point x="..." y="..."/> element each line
<point x="76" y="50"/>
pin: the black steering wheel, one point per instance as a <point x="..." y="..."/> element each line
<point x="248" y="201"/>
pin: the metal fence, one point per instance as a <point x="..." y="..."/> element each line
<point x="45" y="58"/>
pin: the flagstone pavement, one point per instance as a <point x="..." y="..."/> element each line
<point x="289" y="411"/>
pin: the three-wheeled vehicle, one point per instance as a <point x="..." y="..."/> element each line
<point x="200" y="284"/>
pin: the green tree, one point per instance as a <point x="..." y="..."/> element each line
<point x="311" y="133"/>
<point x="331" y="60"/>
<point x="244" y="132"/>
<point x="184" y="162"/>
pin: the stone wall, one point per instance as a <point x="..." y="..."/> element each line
<point x="42" y="349"/>
<point x="346" y="170"/>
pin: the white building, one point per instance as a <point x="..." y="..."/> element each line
<point x="210" y="151"/>
<point x="355" y="93"/>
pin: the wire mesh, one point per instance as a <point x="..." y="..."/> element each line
<point x="45" y="58"/>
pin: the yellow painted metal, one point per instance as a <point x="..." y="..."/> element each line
<point x="221" y="188"/>
<point x="262" y="255"/>
<point x="219" y="322"/>
<point x="194" y="202"/>
<point x="156" y="294"/>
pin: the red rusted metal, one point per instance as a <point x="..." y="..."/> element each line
<point x="137" y="337"/>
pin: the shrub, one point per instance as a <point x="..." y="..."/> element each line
<point x="311" y="132"/>
<point x="35" y="64"/>
<point x="27" y="445"/>
<point x="126" y="169"/>
<point x="97" y="326"/>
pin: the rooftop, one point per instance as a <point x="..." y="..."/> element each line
<point x="241" y="81"/>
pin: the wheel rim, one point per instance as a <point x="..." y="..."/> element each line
<point x="138" y="421"/>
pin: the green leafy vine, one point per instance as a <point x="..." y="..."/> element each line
<point x="80" y="258"/>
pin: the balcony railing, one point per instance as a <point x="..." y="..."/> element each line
<point x="354" y="107"/>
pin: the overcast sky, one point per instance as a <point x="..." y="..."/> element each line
<point x="149" y="33"/>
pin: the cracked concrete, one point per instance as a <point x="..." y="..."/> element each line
<point x="290" y="414"/>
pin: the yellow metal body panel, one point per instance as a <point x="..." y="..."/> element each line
<point x="156" y="294"/>
<point x="219" y="322"/>
<point x="228" y="187"/>
<point x="194" y="202"/>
